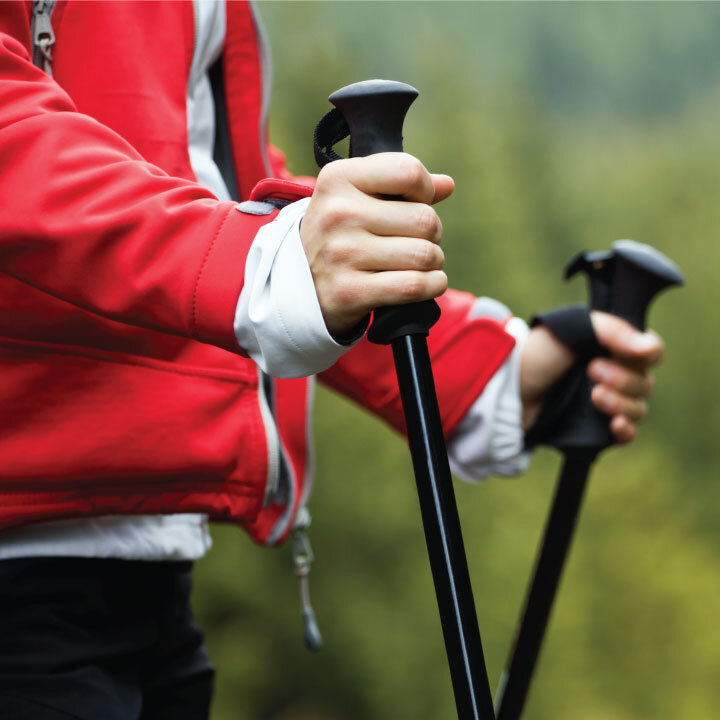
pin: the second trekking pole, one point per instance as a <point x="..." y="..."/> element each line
<point x="623" y="282"/>
<point x="373" y="112"/>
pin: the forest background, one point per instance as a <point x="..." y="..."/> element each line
<point x="566" y="127"/>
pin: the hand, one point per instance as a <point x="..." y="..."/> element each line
<point x="622" y="382"/>
<point x="365" y="252"/>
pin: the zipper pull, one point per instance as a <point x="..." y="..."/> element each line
<point x="302" y="559"/>
<point x="43" y="35"/>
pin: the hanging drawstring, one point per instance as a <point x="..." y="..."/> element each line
<point x="302" y="559"/>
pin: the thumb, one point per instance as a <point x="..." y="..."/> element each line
<point x="444" y="186"/>
<point x="626" y="342"/>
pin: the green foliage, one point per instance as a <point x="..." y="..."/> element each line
<point x="565" y="127"/>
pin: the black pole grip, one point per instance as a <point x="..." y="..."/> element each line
<point x="622" y="282"/>
<point x="625" y="280"/>
<point x="375" y="111"/>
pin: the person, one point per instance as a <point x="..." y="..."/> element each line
<point x="169" y="292"/>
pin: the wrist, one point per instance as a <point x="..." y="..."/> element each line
<point x="545" y="360"/>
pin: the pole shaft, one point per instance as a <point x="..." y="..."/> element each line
<point x="442" y="529"/>
<point x="515" y="682"/>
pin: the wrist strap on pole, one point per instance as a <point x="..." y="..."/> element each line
<point x="331" y="129"/>
<point x="572" y="326"/>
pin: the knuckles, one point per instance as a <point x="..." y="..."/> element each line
<point x="428" y="223"/>
<point x="412" y="288"/>
<point x="414" y="178"/>
<point x="337" y="251"/>
<point x="331" y="175"/>
<point x="336" y="212"/>
<point x="416" y="286"/>
<point x="333" y="214"/>
<point x="413" y="172"/>
<point x="428" y="257"/>
<point x="345" y="292"/>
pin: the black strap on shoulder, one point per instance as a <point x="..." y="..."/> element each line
<point x="331" y="129"/>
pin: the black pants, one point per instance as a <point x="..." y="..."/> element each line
<point x="94" y="639"/>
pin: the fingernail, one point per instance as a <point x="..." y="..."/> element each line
<point x="640" y="342"/>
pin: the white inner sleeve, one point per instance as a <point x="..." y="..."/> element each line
<point x="278" y="320"/>
<point x="489" y="439"/>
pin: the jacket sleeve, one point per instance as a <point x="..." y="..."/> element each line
<point x="86" y="219"/>
<point x="465" y="350"/>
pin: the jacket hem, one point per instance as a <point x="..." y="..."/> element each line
<point x="236" y="502"/>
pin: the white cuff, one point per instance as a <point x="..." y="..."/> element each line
<point x="490" y="438"/>
<point x="278" y="320"/>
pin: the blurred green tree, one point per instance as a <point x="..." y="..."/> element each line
<point x="566" y="126"/>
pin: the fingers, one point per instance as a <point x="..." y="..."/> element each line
<point x="366" y="251"/>
<point x="626" y="380"/>
<point x="614" y="403"/>
<point x="641" y="349"/>
<point x="352" y="194"/>
<point x="398" y="218"/>
<point x="625" y="412"/>
<point x="354" y="294"/>
<point x="391" y="174"/>
<point x="375" y="254"/>
<point x="366" y="216"/>
<point x="622" y="381"/>
<point x="621" y="394"/>
<point x="444" y="187"/>
<point x="402" y="287"/>
<point x="408" y="219"/>
<point x="623" y="430"/>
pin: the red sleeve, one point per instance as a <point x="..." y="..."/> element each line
<point x="465" y="353"/>
<point x="86" y="219"/>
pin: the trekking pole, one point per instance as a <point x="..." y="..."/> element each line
<point x="373" y="112"/>
<point x="622" y="282"/>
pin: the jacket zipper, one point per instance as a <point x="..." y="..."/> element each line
<point x="284" y="493"/>
<point x="273" y="440"/>
<point x="309" y="460"/>
<point x="43" y="36"/>
<point x="286" y="486"/>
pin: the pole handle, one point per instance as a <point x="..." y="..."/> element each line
<point x="375" y="111"/>
<point x="623" y="282"/>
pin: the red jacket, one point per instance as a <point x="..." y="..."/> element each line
<point x="122" y="387"/>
